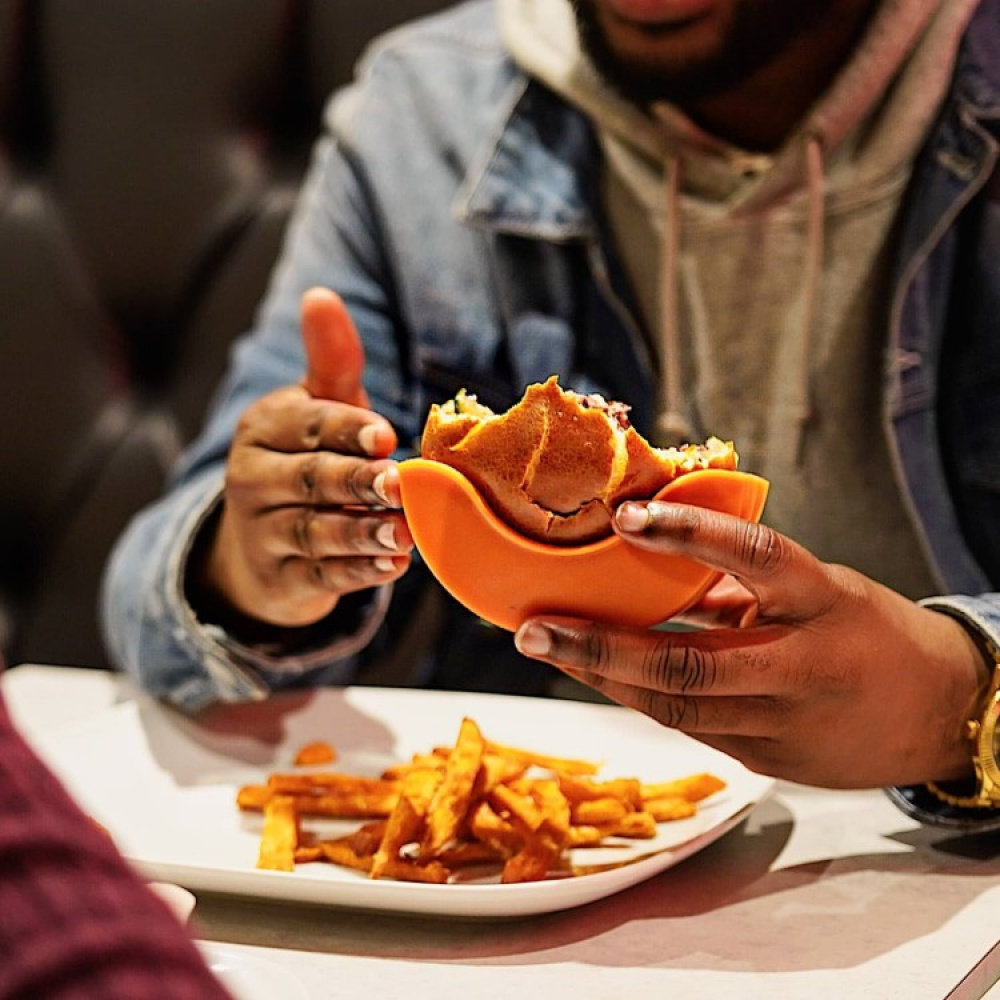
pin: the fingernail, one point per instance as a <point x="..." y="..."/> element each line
<point x="378" y="485"/>
<point x="533" y="640"/>
<point x="385" y="534"/>
<point x="368" y="439"/>
<point x="632" y="517"/>
<point x="384" y="564"/>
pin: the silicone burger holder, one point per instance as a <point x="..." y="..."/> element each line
<point x="504" y="577"/>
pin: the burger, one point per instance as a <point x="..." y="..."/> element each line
<point x="556" y="464"/>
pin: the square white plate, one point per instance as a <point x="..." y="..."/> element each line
<point x="165" y="785"/>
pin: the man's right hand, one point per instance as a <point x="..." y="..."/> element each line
<point x="307" y="508"/>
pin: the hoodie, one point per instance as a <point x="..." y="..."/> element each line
<point x="764" y="278"/>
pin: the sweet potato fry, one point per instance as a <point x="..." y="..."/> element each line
<point x="340" y="852"/>
<point x="253" y="798"/>
<point x="627" y="790"/>
<point x="555" y="810"/>
<point x="426" y="761"/>
<point x="306" y="853"/>
<point x="599" y="812"/>
<point x="453" y="794"/>
<point x="416" y="871"/>
<point x="561" y="765"/>
<point x="584" y="836"/>
<point x="519" y="807"/>
<point x="669" y="808"/>
<point x="694" y="788"/>
<point x="497" y="770"/>
<point x="473" y="803"/>
<point x="485" y="825"/>
<point x="634" y="825"/>
<point x="322" y="782"/>
<point x="532" y="862"/>
<point x="280" y="835"/>
<point x="317" y="752"/>
<point x="406" y="822"/>
<point x="463" y="853"/>
<point x="365" y="839"/>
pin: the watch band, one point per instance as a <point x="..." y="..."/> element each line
<point x="981" y="733"/>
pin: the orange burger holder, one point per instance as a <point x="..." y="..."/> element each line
<point x="504" y="577"/>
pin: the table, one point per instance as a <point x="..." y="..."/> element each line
<point x="817" y="894"/>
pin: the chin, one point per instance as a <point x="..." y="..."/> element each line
<point x="654" y="61"/>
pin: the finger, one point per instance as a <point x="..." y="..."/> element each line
<point x="289" y="420"/>
<point x="717" y="663"/>
<point x="347" y="575"/>
<point x="746" y="717"/>
<point x="727" y="603"/>
<point x="335" y="359"/>
<point x="267" y="480"/>
<point x="783" y="576"/>
<point x="323" y="534"/>
<point x="302" y="591"/>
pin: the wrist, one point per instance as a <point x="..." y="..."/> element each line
<point x="973" y="649"/>
<point x="972" y="778"/>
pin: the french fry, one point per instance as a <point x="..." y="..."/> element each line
<point x="253" y="798"/>
<point x="317" y="752"/>
<point x="669" y="808"/>
<point x="341" y="852"/>
<point x="305" y="853"/>
<point x="407" y="818"/>
<point x="453" y="794"/>
<point x="416" y="871"/>
<point x="577" y="789"/>
<point x="473" y="803"/>
<point x="427" y="761"/>
<point x="280" y="835"/>
<point x="485" y="825"/>
<point x="333" y="806"/>
<point x="634" y="825"/>
<point x="555" y="810"/>
<point x="497" y="770"/>
<point x="599" y="812"/>
<point x="533" y="861"/>
<point x="319" y="783"/>
<point x="464" y="853"/>
<point x="560" y="765"/>
<point x="694" y="788"/>
<point x="521" y="808"/>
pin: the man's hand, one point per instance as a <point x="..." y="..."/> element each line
<point x="306" y="514"/>
<point x="831" y="679"/>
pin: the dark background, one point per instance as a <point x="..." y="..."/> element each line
<point x="150" y="152"/>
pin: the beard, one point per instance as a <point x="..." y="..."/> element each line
<point x="757" y="32"/>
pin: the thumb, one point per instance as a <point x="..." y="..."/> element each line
<point x="335" y="358"/>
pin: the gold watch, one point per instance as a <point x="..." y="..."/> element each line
<point x="984" y="735"/>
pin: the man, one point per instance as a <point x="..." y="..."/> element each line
<point x="762" y="219"/>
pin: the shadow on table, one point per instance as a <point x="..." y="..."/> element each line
<point x="257" y="735"/>
<point x="722" y="908"/>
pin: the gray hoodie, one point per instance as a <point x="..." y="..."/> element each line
<point x="765" y="277"/>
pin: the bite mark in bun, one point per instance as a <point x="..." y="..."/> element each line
<point x="556" y="465"/>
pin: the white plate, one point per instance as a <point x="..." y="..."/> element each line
<point x="248" y="977"/>
<point x="165" y="787"/>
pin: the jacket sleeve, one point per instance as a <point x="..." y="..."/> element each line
<point x="149" y="626"/>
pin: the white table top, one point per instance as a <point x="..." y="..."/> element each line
<point x="817" y="894"/>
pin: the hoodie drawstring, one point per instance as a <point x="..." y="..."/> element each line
<point x="803" y="402"/>
<point x="671" y="425"/>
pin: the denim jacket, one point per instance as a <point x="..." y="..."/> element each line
<point x="454" y="204"/>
